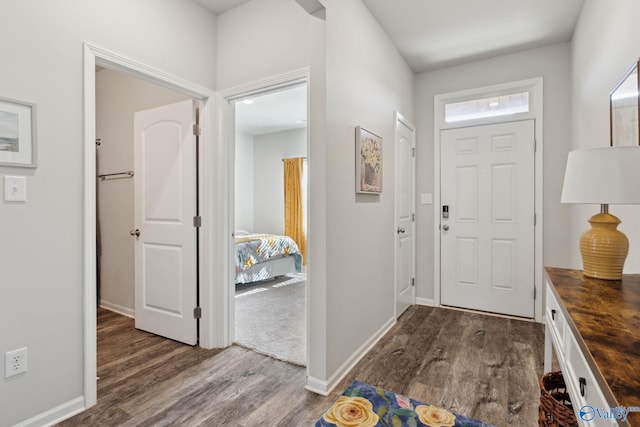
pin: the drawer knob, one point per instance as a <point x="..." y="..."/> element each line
<point x="553" y="314"/>
<point x="583" y="385"/>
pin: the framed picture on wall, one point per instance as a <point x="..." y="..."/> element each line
<point x="368" y="162"/>
<point x="17" y="133"/>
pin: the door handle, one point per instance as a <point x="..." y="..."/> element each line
<point x="135" y="232"/>
<point x="445" y="227"/>
<point x="400" y="230"/>
<point x="583" y="385"/>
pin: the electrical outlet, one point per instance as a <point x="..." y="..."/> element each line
<point x="15" y="362"/>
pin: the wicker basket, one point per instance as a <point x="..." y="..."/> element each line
<point x="555" y="405"/>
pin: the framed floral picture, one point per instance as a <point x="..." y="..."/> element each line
<point x="17" y="133"/>
<point x="368" y="162"/>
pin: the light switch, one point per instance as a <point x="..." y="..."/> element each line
<point x="426" y="198"/>
<point x="15" y="188"/>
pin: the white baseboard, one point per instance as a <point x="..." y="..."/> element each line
<point x="425" y="301"/>
<point x="317" y="386"/>
<point x="323" y="387"/>
<point x="125" y="311"/>
<point x="55" y="415"/>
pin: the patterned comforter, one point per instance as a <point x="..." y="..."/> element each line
<point x="254" y="248"/>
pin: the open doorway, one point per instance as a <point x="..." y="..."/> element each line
<point x="128" y="110"/>
<point x="93" y="57"/>
<point x="271" y="223"/>
<point x="118" y="98"/>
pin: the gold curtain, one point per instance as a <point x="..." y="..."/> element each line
<point x="293" y="213"/>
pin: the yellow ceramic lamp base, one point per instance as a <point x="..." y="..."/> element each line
<point x="604" y="248"/>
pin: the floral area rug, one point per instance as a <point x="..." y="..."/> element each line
<point x="367" y="406"/>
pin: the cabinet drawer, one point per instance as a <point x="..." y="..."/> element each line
<point x="555" y="320"/>
<point x="585" y="392"/>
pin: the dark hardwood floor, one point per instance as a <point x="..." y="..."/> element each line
<point x="481" y="366"/>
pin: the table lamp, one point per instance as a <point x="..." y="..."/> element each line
<point x="604" y="176"/>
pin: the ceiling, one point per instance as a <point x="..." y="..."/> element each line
<point x="274" y="112"/>
<point x="430" y="34"/>
<point x="220" y="6"/>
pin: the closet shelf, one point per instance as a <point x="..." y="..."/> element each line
<point x="127" y="174"/>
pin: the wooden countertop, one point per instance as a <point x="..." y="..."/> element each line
<point x="606" y="314"/>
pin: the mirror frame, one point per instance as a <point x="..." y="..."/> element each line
<point x="624" y="117"/>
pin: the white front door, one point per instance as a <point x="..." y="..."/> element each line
<point x="165" y="206"/>
<point x="405" y="214"/>
<point x="487" y="241"/>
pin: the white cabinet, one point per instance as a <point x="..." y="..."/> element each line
<point x="586" y="394"/>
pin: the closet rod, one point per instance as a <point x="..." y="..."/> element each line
<point x="108" y="175"/>
<point x="294" y="158"/>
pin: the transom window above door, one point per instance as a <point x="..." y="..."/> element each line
<point x="487" y="107"/>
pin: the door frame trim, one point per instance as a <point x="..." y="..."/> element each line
<point x="224" y="303"/>
<point x="535" y="89"/>
<point x="94" y="55"/>
<point x="400" y="119"/>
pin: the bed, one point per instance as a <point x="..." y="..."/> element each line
<point x="265" y="256"/>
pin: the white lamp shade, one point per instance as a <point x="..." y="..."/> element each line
<point x="607" y="175"/>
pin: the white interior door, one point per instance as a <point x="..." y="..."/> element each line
<point x="165" y="206"/>
<point x="405" y="215"/>
<point x="487" y="241"/>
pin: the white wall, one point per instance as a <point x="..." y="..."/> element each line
<point x="270" y="149"/>
<point x="244" y="182"/>
<point x="552" y="63"/>
<point x="605" y="45"/>
<point x="366" y="81"/>
<point x="118" y="97"/>
<point x="357" y="78"/>
<point x="261" y="39"/>
<point x="259" y="183"/>
<point x="41" y="255"/>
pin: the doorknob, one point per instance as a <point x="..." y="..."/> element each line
<point x="400" y="230"/>
<point x="135" y="232"/>
<point x="445" y="227"/>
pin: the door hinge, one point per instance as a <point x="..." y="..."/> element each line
<point x="197" y="221"/>
<point x="413" y="217"/>
<point x="535" y="293"/>
<point x="413" y="151"/>
<point x="535" y="219"/>
<point x="197" y="313"/>
<point x="535" y="145"/>
<point x="413" y="281"/>
<point x="197" y="130"/>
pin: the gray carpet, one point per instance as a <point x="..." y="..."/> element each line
<point x="270" y="318"/>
